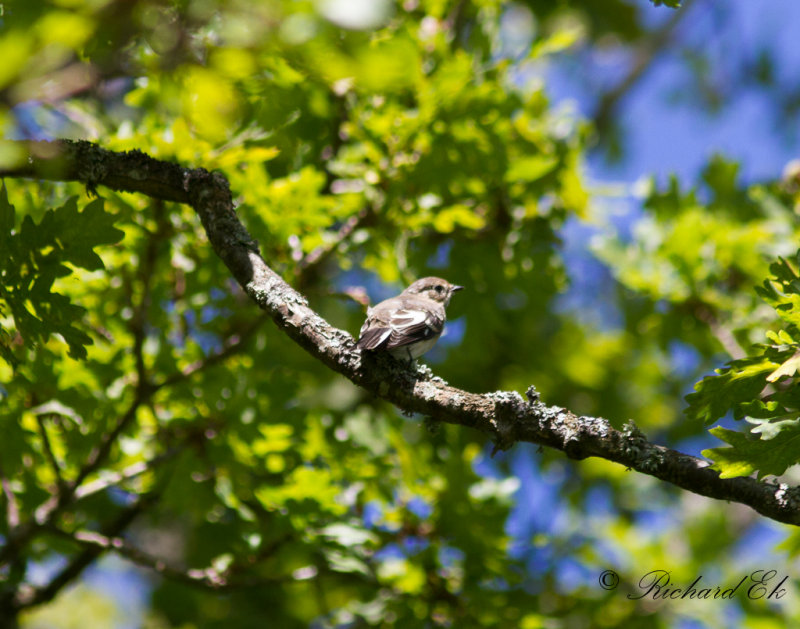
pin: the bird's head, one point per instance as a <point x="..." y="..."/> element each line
<point x="434" y="288"/>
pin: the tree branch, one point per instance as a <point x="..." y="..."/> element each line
<point x="316" y="257"/>
<point x="49" y="510"/>
<point x="130" y="472"/>
<point x="724" y="336"/>
<point x="233" y="345"/>
<point x="48" y="451"/>
<point x="45" y="514"/>
<point x="209" y="577"/>
<point x="31" y="597"/>
<point x="145" y="273"/>
<point x="99" y="454"/>
<point x="12" y="508"/>
<point x="505" y="415"/>
<point x="644" y="57"/>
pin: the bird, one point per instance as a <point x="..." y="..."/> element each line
<point x="408" y="325"/>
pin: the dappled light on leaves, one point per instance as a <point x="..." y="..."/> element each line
<point x="149" y="411"/>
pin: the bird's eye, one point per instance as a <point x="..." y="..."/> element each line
<point x="439" y="289"/>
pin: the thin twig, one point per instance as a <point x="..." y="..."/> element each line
<point x="147" y="268"/>
<point x="48" y="452"/>
<point x="316" y="257"/>
<point x="31" y="597"/>
<point x="12" y="508"/>
<point x="49" y="510"/>
<point x="647" y="53"/>
<point x="455" y="23"/>
<point x="209" y="577"/>
<point x="132" y="471"/>
<point x="144" y="388"/>
<point x="55" y="504"/>
<point x="340" y="116"/>
<point x="505" y="415"/>
<point x="233" y="345"/>
<point x="99" y="454"/>
<point x="724" y="336"/>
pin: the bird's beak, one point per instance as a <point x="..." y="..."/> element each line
<point x="455" y="288"/>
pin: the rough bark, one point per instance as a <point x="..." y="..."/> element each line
<point x="505" y="415"/>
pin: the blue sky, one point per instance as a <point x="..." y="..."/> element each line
<point x="665" y="132"/>
<point x="662" y="137"/>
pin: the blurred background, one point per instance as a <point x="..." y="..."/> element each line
<point x="608" y="182"/>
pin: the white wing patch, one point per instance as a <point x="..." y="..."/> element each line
<point x="405" y="332"/>
<point x="402" y="319"/>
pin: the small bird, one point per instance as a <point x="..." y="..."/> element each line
<point x="408" y="325"/>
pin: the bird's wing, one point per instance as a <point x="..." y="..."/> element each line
<point x="372" y="337"/>
<point x="413" y="326"/>
<point x="376" y="329"/>
<point x="395" y="323"/>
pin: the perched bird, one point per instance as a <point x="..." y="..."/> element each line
<point x="408" y="325"/>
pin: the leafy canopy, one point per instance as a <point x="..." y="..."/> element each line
<point x="135" y="369"/>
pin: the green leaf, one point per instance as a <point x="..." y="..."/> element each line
<point x="349" y="535"/>
<point x="6" y="217"/>
<point x="557" y="42"/>
<point x="747" y="455"/>
<point x="741" y="381"/>
<point x="782" y="292"/>
<point x="761" y="409"/>
<point x="769" y="429"/>
<point x="341" y="562"/>
<point x="788" y="368"/>
<point x="35" y="258"/>
<point x="530" y="168"/>
<point x="80" y="232"/>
